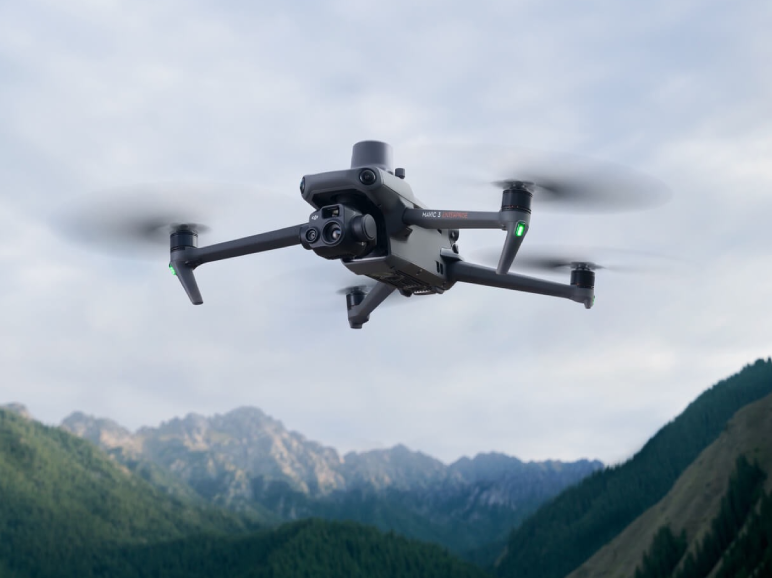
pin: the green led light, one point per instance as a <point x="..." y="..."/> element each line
<point x="520" y="230"/>
<point x="171" y="268"/>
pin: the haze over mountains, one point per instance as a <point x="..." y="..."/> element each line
<point x="250" y="441"/>
<point x="247" y="461"/>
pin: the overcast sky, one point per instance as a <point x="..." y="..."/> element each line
<point x="97" y="95"/>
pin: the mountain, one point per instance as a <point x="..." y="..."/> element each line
<point x="69" y="510"/>
<point x="104" y="433"/>
<point x="570" y="529"/>
<point x="396" y="468"/>
<point x="695" y="500"/>
<point x="250" y="462"/>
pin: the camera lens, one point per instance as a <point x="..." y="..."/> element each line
<point x="332" y="233"/>
<point x="367" y="177"/>
<point x="312" y="235"/>
<point x="302" y="185"/>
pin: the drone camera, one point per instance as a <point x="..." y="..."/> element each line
<point x="332" y="233"/>
<point x="367" y="177"/>
<point x="344" y="232"/>
<point x="312" y="234"/>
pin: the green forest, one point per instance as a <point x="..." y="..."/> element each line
<point x="666" y="551"/>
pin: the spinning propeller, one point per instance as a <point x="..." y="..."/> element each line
<point x="572" y="184"/>
<point x="560" y="258"/>
<point x="137" y="221"/>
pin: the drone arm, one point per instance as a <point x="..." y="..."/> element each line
<point x="247" y="245"/>
<point x="185" y="256"/>
<point x="470" y="273"/>
<point x="360" y="314"/>
<point x="188" y="280"/>
<point x="514" y="222"/>
<point x="515" y="235"/>
<point x="428" y="219"/>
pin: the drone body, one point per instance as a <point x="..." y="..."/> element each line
<point x="368" y="218"/>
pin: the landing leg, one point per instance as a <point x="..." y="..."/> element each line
<point x="361" y="304"/>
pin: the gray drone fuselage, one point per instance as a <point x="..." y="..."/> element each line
<point x="405" y="257"/>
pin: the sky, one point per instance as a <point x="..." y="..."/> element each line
<point x="244" y="98"/>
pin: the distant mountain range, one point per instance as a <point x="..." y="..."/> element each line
<point x="249" y="462"/>
<point x="694" y="502"/>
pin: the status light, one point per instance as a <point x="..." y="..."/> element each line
<point x="520" y="230"/>
<point x="171" y="268"/>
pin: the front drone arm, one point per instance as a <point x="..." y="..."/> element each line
<point x="469" y="273"/>
<point x="186" y="256"/>
<point x="246" y="246"/>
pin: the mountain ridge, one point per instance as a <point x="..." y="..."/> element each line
<point x="390" y="467"/>
<point x="247" y="461"/>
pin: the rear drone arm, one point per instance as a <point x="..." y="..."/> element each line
<point x="581" y="292"/>
<point x="514" y="217"/>
<point x="186" y="256"/>
<point x="514" y="222"/>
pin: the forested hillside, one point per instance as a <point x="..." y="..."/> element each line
<point x="695" y="522"/>
<point x="307" y="548"/>
<point x="567" y="531"/>
<point x="751" y="553"/>
<point x="668" y="557"/>
<point x="66" y="510"/>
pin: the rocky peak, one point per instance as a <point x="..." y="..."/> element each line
<point x="397" y="467"/>
<point x="18" y="409"/>
<point x="486" y="466"/>
<point x="102" y="432"/>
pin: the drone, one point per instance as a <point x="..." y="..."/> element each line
<point x="368" y="218"/>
